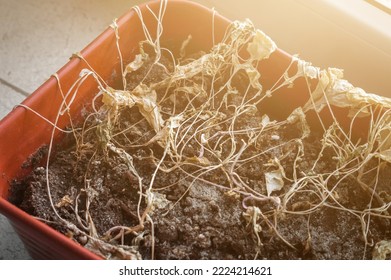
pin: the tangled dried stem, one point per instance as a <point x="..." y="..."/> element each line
<point x="197" y="119"/>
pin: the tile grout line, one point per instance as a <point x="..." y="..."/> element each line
<point x="15" y="88"/>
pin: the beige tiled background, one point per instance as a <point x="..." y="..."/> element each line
<point x="38" y="36"/>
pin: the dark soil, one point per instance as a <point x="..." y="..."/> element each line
<point x="207" y="223"/>
<point x="194" y="219"/>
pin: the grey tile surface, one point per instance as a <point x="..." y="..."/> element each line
<point x="8" y="99"/>
<point x="37" y="37"/>
<point x="11" y="248"/>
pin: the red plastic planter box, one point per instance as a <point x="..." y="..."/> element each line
<point x="23" y="133"/>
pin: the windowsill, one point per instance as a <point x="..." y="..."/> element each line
<point x="384" y="5"/>
<point x="357" y="17"/>
<point x="351" y="34"/>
